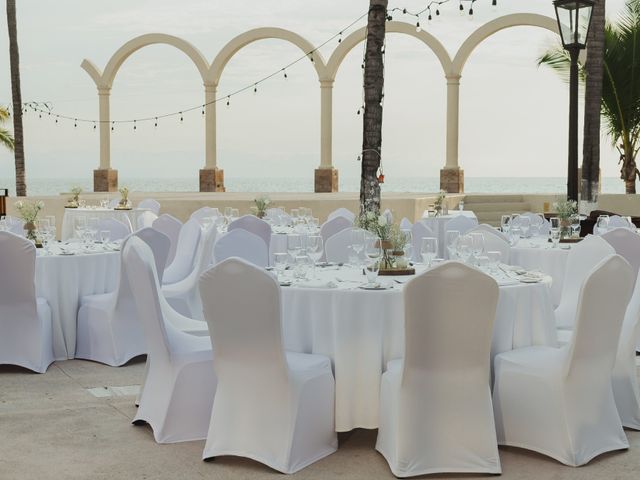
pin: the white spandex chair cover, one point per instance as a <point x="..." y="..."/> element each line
<point x="15" y="225"/>
<point x="170" y="226"/>
<point x="461" y="224"/>
<point x="25" y="321"/>
<point x="435" y="404"/>
<point x="184" y="295"/>
<point x="183" y="262"/>
<point x="559" y="401"/>
<point x="146" y="219"/>
<point x="544" y="226"/>
<point x="405" y="224"/>
<point x="488" y="228"/>
<point x="388" y="215"/>
<point x="627" y="244"/>
<point x="243" y="244"/>
<point x="332" y="226"/>
<point x="336" y="248"/>
<point x="494" y="242"/>
<point x="117" y="230"/>
<point x="418" y="232"/>
<point x="150" y="204"/>
<point x="616" y="221"/>
<point x="582" y="258"/>
<point x="255" y="225"/>
<point x="177" y="394"/>
<point x="109" y="331"/>
<point x="272" y="406"/>
<point x="625" y="379"/>
<point x="344" y="213"/>
<point x="205" y="212"/>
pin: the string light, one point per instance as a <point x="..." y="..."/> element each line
<point x="134" y="126"/>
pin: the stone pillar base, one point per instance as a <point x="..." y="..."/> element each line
<point x="326" y="180"/>
<point x="452" y="180"/>
<point x="105" y="180"/>
<point x="212" y="180"/>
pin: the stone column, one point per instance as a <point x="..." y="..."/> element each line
<point x="211" y="177"/>
<point x="104" y="178"/>
<point x="326" y="177"/>
<point x="452" y="176"/>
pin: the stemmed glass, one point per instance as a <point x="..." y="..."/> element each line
<point x="373" y="251"/>
<point x="92" y="230"/>
<point x="314" y="250"/>
<point x="429" y="249"/>
<point x="280" y="261"/>
<point x="505" y="223"/>
<point x="494" y="258"/>
<point x="105" y="237"/>
<point x="554" y="231"/>
<point x="43" y="232"/>
<point x="525" y="225"/>
<point x="465" y="248"/>
<point x="294" y="245"/>
<point x="80" y="227"/>
<point x="477" y="244"/>
<point x="575" y="226"/>
<point x="357" y="241"/>
<point x="451" y="242"/>
<point x="602" y="224"/>
<point x="407" y="246"/>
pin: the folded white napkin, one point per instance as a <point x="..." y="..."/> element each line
<point x="503" y="282"/>
<point x="317" y="284"/>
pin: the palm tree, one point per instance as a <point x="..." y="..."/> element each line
<point x="372" y="116"/>
<point x="14" y="60"/>
<point x="620" y="106"/>
<point x="5" y="136"/>
<point x="594" y="69"/>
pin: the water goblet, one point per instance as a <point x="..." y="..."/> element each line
<point x="314" y="250"/>
<point x="494" y="258"/>
<point x="407" y="243"/>
<point x="575" y="226"/>
<point x="525" y="225"/>
<point x="373" y="255"/>
<point x="429" y="249"/>
<point x="105" y="237"/>
<point x="280" y="261"/>
<point x="294" y="245"/>
<point x="301" y="268"/>
<point x="602" y="224"/>
<point x="357" y="240"/>
<point x="505" y="222"/>
<point x="465" y="248"/>
<point x="477" y="244"/>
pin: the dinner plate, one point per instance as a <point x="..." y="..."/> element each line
<point x="530" y="280"/>
<point x="286" y="284"/>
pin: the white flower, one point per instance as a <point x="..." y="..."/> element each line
<point x="40" y="204"/>
<point x="371" y="215"/>
<point x="382" y="221"/>
<point x="19" y="204"/>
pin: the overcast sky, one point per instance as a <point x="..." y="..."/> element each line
<point x="513" y="114"/>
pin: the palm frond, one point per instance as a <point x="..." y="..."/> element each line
<point x="6" y="139"/>
<point x="4" y="114"/>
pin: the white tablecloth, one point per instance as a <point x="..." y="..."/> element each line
<point x="362" y="330"/>
<point x="439" y="226"/>
<point x="128" y="217"/>
<point x="63" y="280"/>
<point x="538" y="254"/>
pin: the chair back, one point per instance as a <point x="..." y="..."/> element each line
<point x="146" y="219"/>
<point x="205" y="212"/>
<point x="582" y="259"/>
<point x="333" y="226"/>
<point x="255" y="225"/>
<point x="170" y="226"/>
<point x="336" y="248"/>
<point x="418" y="232"/>
<point x="242" y="307"/>
<point x="626" y="244"/>
<point x="494" y="242"/>
<point x="183" y="262"/>
<point x="544" y="226"/>
<point x="437" y="333"/>
<point x="461" y="224"/>
<point x="159" y="244"/>
<point x="150" y="204"/>
<point x="243" y="244"/>
<point x="405" y="224"/>
<point x="117" y="230"/>
<point x="602" y="302"/>
<point x="630" y="334"/>
<point x="485" y="227"/>
<point x="616" y="221"/>
<point x="344" y="213"/>
<point x="17" y="275"/>
<point x="388" y="215"/>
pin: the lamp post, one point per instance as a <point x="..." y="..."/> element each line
<point x="574" y="19"/>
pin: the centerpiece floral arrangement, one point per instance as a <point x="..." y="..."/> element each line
<point x="74" y="201"/>
<point x="28" y="212"/>
<point x="439" y="203"/>
<point x="564" y="211"/>
<point x="261" y="205"/>
<point x="124" y="203"/>
<point x="392" y="240"/>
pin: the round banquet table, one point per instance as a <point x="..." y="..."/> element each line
<point x="362" y="330"/>
<point x="128" y="217"/>
<point x="63" y="280"/>
<point x="538" y="254"/>
<point x="439" y="226"/>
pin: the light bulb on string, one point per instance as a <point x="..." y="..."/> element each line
<point x="155" y="123"/>
<point x="494" y="5"/>
<point x="75" y="123"/>
<point x="340" y="34"/>
<point x="56" y="119"/>
<point x="203" y="110"/>
<point x="285" y="74"/>
<point x="94" y="125"/>
<point x="135" y="127"/>
<point x="228" y="101"/>
<point x="255" y="88"/>
<point x="181" y="117"/>
<point x="461" y="9"/>
<point x="418" y="27"/>
<point x="113" y="126"/>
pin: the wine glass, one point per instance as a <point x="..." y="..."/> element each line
<point x="235" y="214"/>
<point x="494" y="258"/>
<point x="105" y="237"/>
<point x="314" y="250"/>
<point x="505" y="223"/>
<point x="575" y="226"/>
<point x="451" y="242"/>
<point x="280" y="261"/>
<point x="554" y="231"/>
<point x="92" y="229"/>
<point x="407" y="243"/>
<point x="357" y="240"/>
<point x="477" y="244"/>
<point x="429" y="249"/>
<point x="602" y="224"/>
<point x="525" y="224"/>
<point x="373" y="252"/>
<point x="295" y="215"/>
<point x="294" y="245"/>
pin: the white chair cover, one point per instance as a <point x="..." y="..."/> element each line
<point x="418" y="232"/>
<point x="150" y="204"/>
<point x="625" y="380"/>
<point x="243" y="244"/>
<point x="15" y="225"/>
<point x="270" y="406"/>
<point x="461" y="224"/>
<point x="616" y="221"/>
<point x="544" y="226"/>
<point x="177" y="394"/>
<point x="627" y="244"/>
<point x="494" y="242"/>
<point x="405" y="224"/>
<point x="117" y="230"/>
<point x="388" y="215"/>
<point x="146" y="219"/>
<point x="336" y="248"/>
<point x="435" y="404"/>
<point x="255" y="225"/>
<point x="184" y="295"/>
<point x="559" y="401"/>
<point x="332" y="226"/>
<point x="205" y="212"/>
<point x="159" y="244"/>
<point x="582" y="258"/>
<point x="170" y="226"/>
<point x="26" y="337"/>
<point x="342" y="212"/>
<point x="183" y="262"/>
<point x="488" y="228"/>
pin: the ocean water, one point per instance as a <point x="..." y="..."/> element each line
<point x="53" y="186"/>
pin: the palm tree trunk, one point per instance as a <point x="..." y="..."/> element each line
<point x="592" y="104"/>
<point x="372" y="116"/>
<point x="629" y="171"/>
<point x="14" y="60"/>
